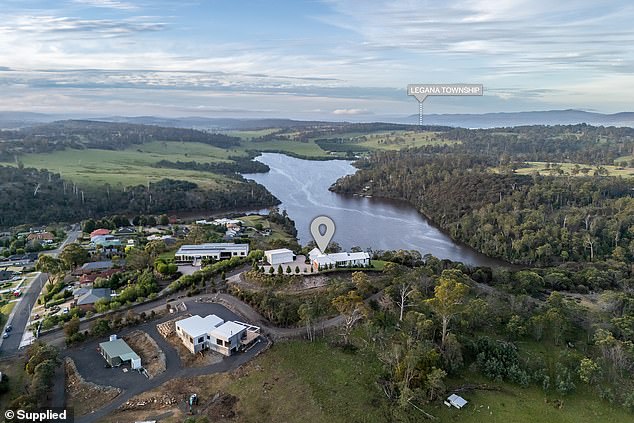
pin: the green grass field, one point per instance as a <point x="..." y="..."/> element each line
<point x="132" y="166"/>
<point x="568" y="167"/>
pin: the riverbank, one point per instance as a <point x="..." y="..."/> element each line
<point x="302" y="186"/>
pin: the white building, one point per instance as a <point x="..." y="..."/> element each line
<point x="216" y="251"/>
<point x="345" y="259"/>
<point x="279" y="256"/>
<point x="213" y="333"/>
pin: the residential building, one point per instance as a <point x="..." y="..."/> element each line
<point x="40" y="236"/>
<point x="93" y="266"/>
<point x="88" y="299"/>
<point x="125" y="231"/>
<point x="279" y="256"/>
<point x="117" y="352"/>
<point x="344" y="259"/>
<point x="92" y="277"/>
<point x="97" y="232"/>
<point x="212" y="333"/>
<point x="215" y="251"/>
<point x="194" y="331"/>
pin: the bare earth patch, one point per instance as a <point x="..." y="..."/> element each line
<point x="170" y="401"/>
<point x="84" y="396"/>
<point x="202" y="359"/>
<point x="152" y="357"/>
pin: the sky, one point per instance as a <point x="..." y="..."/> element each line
<point x="315" y="59"/>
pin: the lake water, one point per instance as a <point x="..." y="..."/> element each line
<point x="379" y="224"/>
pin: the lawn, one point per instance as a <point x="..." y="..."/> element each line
<point x="304" y="149"/>
<point x="5" y="310"/>
<point x="397" y="140"/>
<point x="132" y="166"/>
<point x="247" y="135"/>
<point x="531" y="405"/>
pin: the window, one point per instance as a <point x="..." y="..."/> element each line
<point x="201" y="339"/>
<point x="242" y="253"/>
<point x="219" y="341"/>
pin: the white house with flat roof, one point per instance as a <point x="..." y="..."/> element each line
<point x="194" y="331"/>
<point x="212" y="333"/>
<point x="279" y="256"/>
<point x="345" y="259"/>
<point x="215" y="251"/>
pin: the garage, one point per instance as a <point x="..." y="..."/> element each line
<point x="279" y="256"/>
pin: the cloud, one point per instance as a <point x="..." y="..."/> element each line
<point x="351" y="112"/>
<point x="48" y="24"/>
<point x="110" y="4"/>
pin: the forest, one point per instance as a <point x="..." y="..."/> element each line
<point x="39" y="196"/>
<point x="102" y="135"/>
<point x="524" y="219"/>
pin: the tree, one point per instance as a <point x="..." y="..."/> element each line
<point x="403" y="292"/>
<point x="164" y="220"/>
<point x="352" y="308"/>
<point x="137" y="259"/>
<point x="361" y="283"/>
<point x="589" y="371"/>
<point x="306" y="314"/>
<point x="89" y="226"/>
<point x="53" y="267"/>
<point x="73" y="255"/>
<point x="155" y="247"/>
<point x="279" y="269"/>
<point x="448" y="300"/>
<point x="288" y="269"/>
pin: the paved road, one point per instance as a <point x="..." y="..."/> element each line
<point x="89" y="363"/>
<point x="29" y="296"/>
<point x="21" y="317"/>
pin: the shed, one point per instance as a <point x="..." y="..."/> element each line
<point x="117" y="352"/>
<point x="279" y="256"/>
<point x="457" y="401"/>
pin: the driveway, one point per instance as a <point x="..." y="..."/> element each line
<point x="91" y="365"/>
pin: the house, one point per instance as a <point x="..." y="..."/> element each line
<point x="125" y="231"/>
<point x="279" y="256"/>
<point x="212" y="333"/>
<point x="117" y="352"/>
<point x="194" y="331"/>
<point x="98" y="232"/>
<point x="228" y="223"/>
<point x="6" y="275"/>
<point x="93" y="266"/>
<point x="215" y="251"/>
<point x="88" y="299"/>
<point x="344" y="259"/>
<point x="92" y="277"/>
<point x="105" y="241"/>
<point x="41" y="236"/>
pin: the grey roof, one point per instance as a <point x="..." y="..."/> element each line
<point x="118" y="348"/>
<point x="94" y="295"/>
<point x="96" y="265"/>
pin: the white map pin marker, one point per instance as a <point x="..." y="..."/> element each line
<point x="322" y="240"/>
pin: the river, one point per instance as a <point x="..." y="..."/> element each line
<point x="379" y="224"/>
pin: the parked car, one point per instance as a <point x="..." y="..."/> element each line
<point x="66" y="310"/>
<point x="36" y="317"/>
<point x="8" y="328"/>
<point x="5" y="335"/>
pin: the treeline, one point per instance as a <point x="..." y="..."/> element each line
<point x="523" y="219"/>
<point x="101" y="135"/>
<point x="238" y="166"/>
<point x="39" y="196"/>
<point x="593" y="145"/>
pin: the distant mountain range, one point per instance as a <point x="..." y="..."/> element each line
<point x="10" y="120"/>
<point x="548" y="117"/>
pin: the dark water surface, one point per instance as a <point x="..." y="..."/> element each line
<point x="302" y="186"/>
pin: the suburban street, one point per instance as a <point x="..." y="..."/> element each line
<point x="23" y="307"/>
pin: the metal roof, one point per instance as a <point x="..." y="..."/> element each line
<point x="119" y="348"/>
<point x="227" y="330"/>
<point x="196" y="326"/>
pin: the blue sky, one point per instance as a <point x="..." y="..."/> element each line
<point x="315" y="59"/>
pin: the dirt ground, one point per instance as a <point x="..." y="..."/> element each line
<point x="83" y="396"/>
<point x="152" y="358"/>
<point x="203" y="358"/>
<point x="170" y="401"/>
